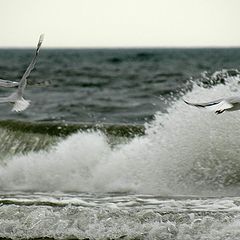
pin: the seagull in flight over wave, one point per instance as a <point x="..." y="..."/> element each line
<point x="20" y="104"/>
<point x="220" y="105"/>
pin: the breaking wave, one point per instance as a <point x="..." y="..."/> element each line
<point x="183" y="151"/>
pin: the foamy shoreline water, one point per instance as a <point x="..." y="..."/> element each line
<point x="117" y="216"/>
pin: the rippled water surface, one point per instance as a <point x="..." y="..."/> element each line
<point x="109" y="150"/>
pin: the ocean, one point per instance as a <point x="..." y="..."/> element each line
<point x="109" y="150"/>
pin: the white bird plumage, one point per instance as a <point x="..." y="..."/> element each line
<point x="219" y="105"/>
<point x="16" y="98"/>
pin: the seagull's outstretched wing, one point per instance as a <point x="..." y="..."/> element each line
<point x="20" y="103"/>
<point x="204" y="105"/>
<point x="23" y="81"/>
<point x="8" y="83"/>
<point x="218" y="106"/>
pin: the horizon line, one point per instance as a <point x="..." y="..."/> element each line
<point x="122" y="47"/>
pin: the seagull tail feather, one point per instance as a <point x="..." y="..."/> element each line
<point x="21" y="105"/>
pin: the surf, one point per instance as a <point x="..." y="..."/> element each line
<point x="184" y="151"/>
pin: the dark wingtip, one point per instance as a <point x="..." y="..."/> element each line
<point x="39" y="43"/>
<point x="193" y="104"/>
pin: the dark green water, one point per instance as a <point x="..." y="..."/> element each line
<point x="113" y="86"/>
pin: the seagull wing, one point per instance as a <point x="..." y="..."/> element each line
<point x="204" y="105"/>
<point x="23" y="81"/>
<point x="217" y="106"/>
<point x="8" y="83"/>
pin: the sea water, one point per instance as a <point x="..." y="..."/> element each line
<point x="109" y="150"/>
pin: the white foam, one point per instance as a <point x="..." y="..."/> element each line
<point x="69" y="166"/>
<point x="186" y="151"/>
<point x="110" y="222"/>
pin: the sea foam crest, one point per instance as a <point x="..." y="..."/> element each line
<point x="184" y="151"/>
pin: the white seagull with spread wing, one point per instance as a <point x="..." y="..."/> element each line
<point x="16" y="98"/>
<point x="220" y="105"/>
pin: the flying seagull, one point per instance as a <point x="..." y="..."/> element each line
<point x="16" y="98"/>
<point x="220" y="105"/>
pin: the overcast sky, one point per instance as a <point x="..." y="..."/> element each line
<point x="120" y="23"/>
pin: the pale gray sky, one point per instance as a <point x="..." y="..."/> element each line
<point x="120" y="23"/>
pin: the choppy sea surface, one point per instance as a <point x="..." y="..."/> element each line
<point x="109" y="150"/>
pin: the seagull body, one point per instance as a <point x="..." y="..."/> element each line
<point x="220" y="105"/>
<point x="16" y="98"/>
